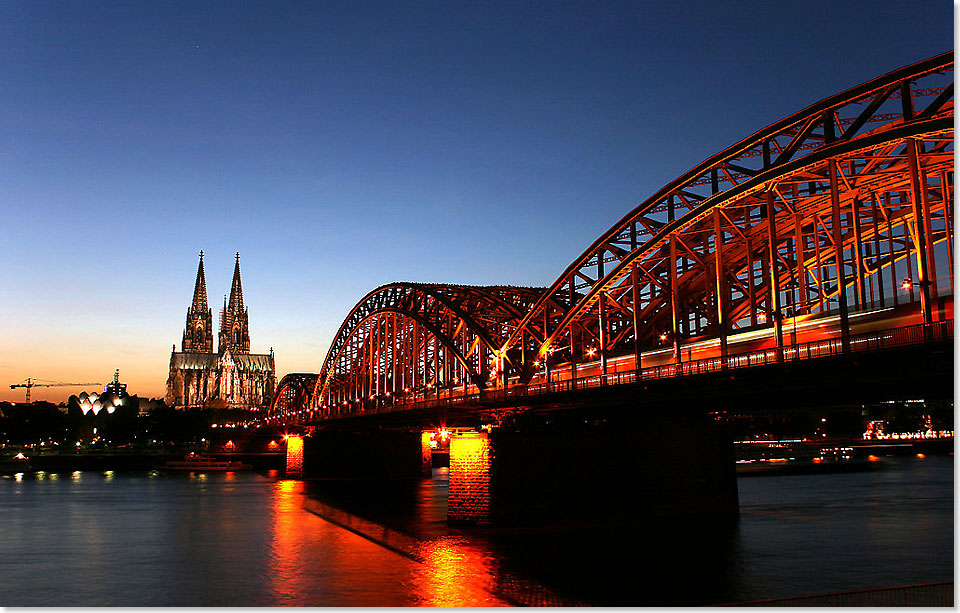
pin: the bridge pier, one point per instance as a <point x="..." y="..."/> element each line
<point x="294" y="464"/>
<point x="681" y="468"/>
<point x="375" y="454"/>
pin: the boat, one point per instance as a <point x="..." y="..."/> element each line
<point x="202" y="463"/>
<point x="15" y="464"/>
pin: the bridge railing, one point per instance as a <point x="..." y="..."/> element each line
<point x="867" y="341"/>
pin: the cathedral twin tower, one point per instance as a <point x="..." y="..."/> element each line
<point x="231" y="377"/>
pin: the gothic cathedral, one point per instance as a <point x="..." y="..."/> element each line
<point x="231" y="377"/>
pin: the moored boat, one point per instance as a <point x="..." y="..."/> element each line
<point x="15" y="464"/>
<point x="201" y="463"/>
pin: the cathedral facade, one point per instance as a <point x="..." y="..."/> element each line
<point x="230" y="377"/>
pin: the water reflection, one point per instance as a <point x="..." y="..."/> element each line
<point x="284" y="558"/>
<point x="454" y="574"/>
<point x="313" y="562"/>
<point x="175" y="540"/>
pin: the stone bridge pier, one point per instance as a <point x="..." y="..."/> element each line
<point x="660" y="469"/>
<point x="551" y="470"/>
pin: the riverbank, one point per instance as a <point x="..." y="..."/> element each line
<point x="797" y="457"/>
<point x="127" y="461"/>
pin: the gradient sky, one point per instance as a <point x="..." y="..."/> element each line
<point x="342" y="145"/>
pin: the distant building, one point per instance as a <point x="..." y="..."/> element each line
<point x="120" y="389"/>
<point x="231" y="377"/>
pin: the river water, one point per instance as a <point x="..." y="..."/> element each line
<point x="249" y="539"/>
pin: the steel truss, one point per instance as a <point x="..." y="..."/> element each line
<point x="293" y="394"/>
<point x="756" y="232"/>
<point x="824" y="212"/>
<point x="405" y="341"/>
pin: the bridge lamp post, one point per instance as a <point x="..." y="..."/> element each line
<point x="908" y="284"/>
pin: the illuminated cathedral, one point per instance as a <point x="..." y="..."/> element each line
<point x="229" y="378"/>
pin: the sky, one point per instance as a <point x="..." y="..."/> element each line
<point x="342" y="145"/>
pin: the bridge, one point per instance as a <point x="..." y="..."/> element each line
<point x="817" y="245"/>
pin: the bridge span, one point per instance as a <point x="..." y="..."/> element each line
<point x="823" y="241"/>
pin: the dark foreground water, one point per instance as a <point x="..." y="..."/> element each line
<point x="237" y="539"/>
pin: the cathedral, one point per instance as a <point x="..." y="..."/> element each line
<point x="229" y="378"/>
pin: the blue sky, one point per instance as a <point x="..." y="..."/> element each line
<point x="342" y="145"/>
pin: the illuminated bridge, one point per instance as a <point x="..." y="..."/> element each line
<point x="826" y="235"/>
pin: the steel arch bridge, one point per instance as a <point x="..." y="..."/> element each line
<point x="816" y="217"/>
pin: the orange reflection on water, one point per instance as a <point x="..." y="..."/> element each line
<point x="314" y="562"/>
<point x="287" y="530"/>
<point x="455" y="574"/>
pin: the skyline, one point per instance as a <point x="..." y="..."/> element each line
<point x="338" y="148"/>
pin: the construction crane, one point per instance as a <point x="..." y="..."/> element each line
<point x="30" y="383"/>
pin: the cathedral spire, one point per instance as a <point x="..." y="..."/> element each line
<point x="236" y="291"/>
<point x="198" y="333"/>
<point x="234" y="327"/>
<point x="200" y="289"/>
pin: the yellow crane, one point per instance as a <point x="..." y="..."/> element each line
<point x="31" y="382"/>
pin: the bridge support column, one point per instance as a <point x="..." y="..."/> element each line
<point x="468" y="497"/>
<point x="365" y="455"/>
<point x="681" y="468"/>
<point x="294" y="464"/>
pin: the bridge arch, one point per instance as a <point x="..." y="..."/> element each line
<point x="293" y="396"/>
<point x="407" y="341"/>
<point x="758" y="232"/>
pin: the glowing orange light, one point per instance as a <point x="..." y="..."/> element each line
<point x="906" y="284"/>
<point x="455" y="574"/>
<point x="663" y="336"/>
<point x="427" y="444"/>
<point x="229" y="445"/>
<point x="469" y="478"/>
<point x="591" y="352"/>
<point x="294" y="456"/>
<point x="873" y="458"/>
<point x="921" y="455"/>
<point x="817" y="460"/>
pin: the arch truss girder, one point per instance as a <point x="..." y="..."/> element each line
<point x="655" y="273"/>
<point x="407" y="340"/>
<point x="294" y="394"/>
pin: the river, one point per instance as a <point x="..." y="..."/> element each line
<point x="251" y="539"/>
